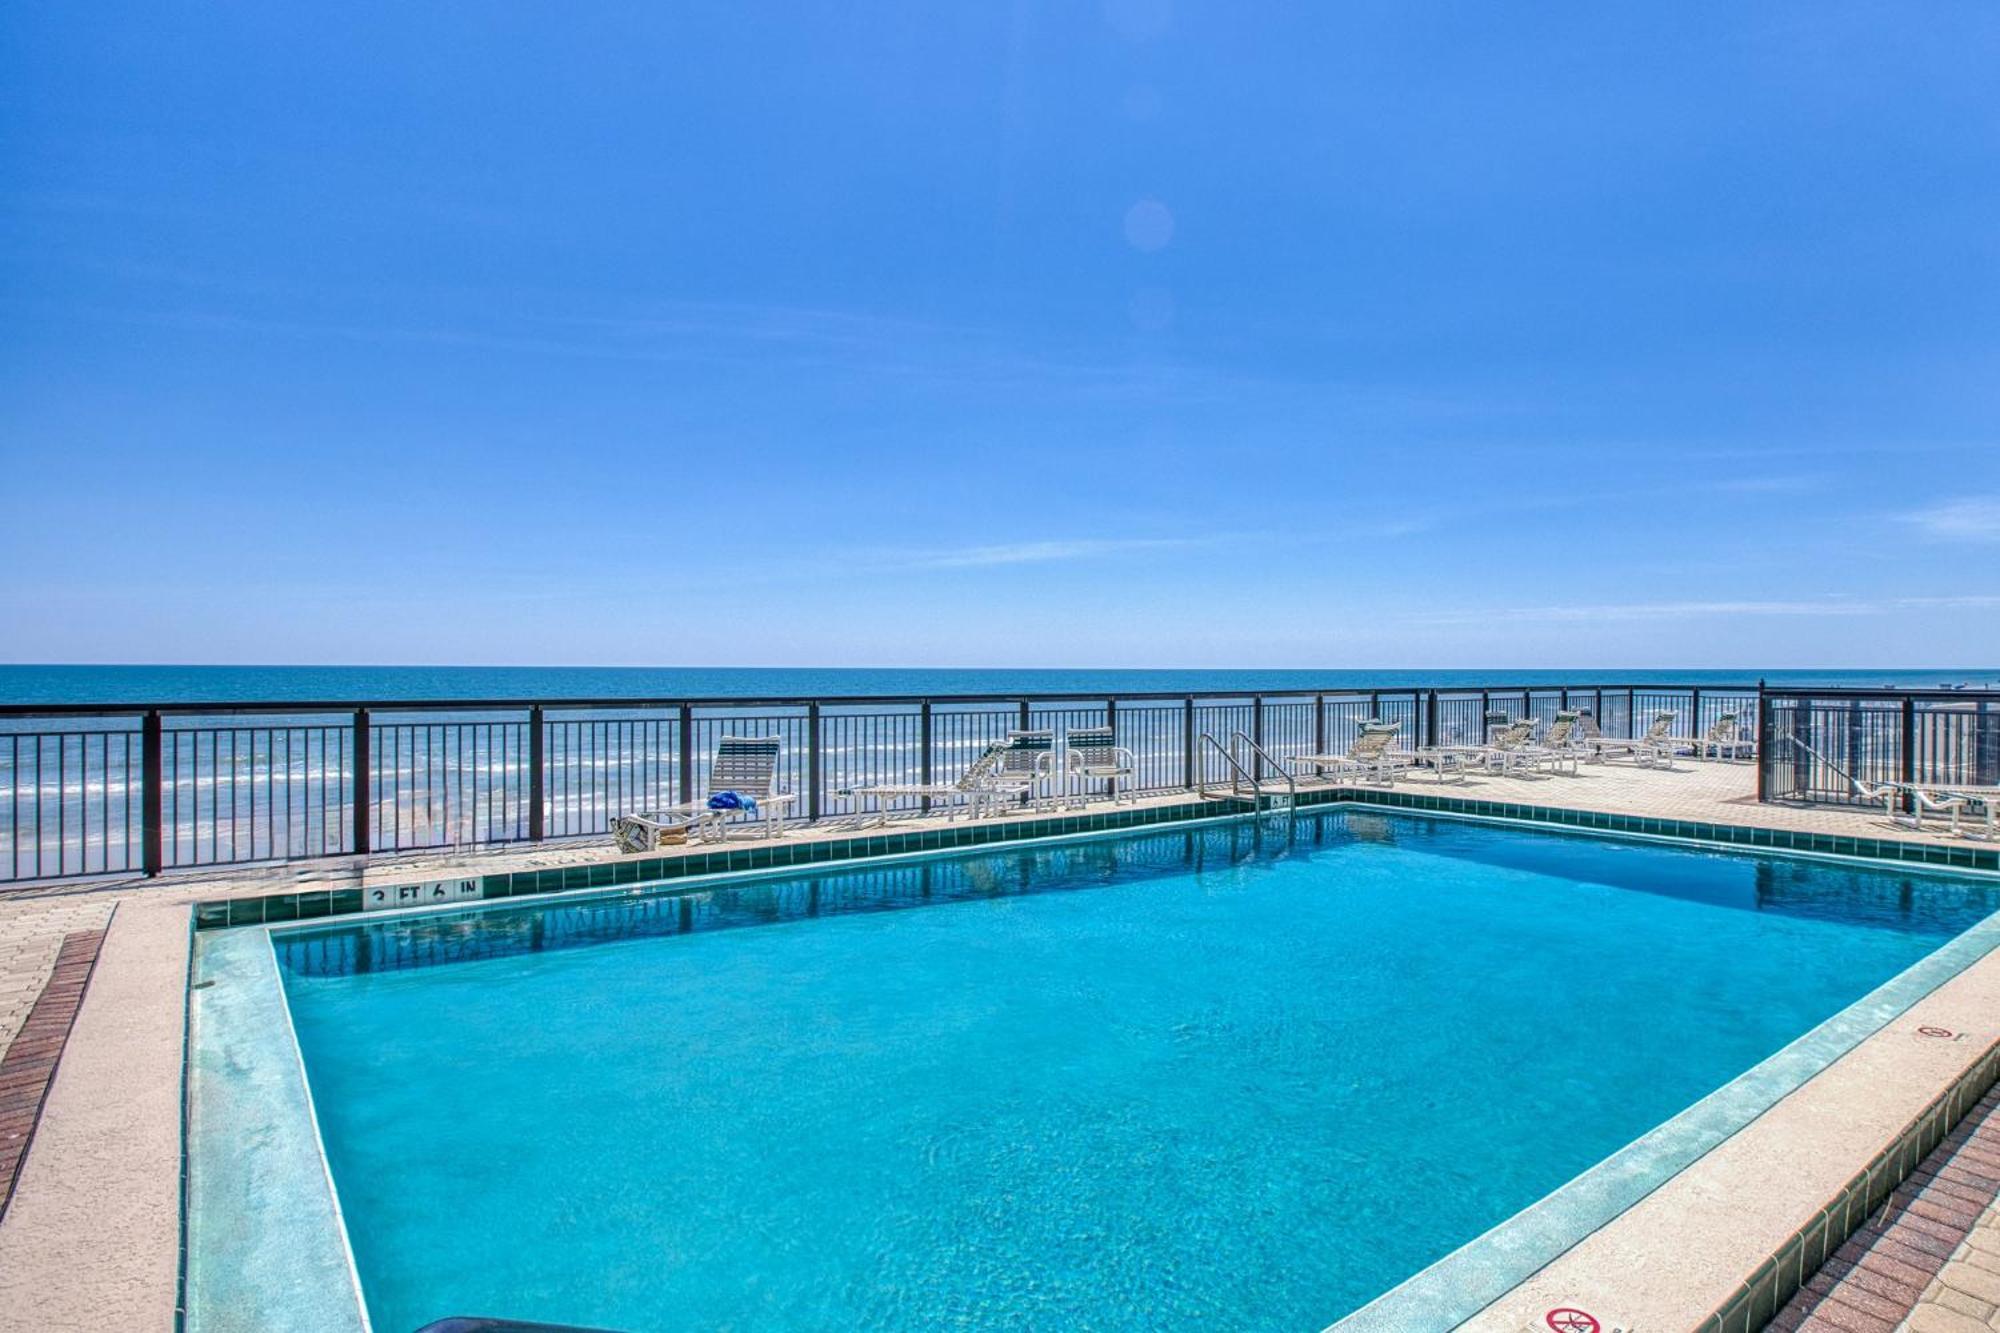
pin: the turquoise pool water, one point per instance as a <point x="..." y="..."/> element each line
<point x="1205" y="1076"/>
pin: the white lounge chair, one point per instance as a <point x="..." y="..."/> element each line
<point x="744" y="765"/>
<point x="1651" y="750"/>
<point x="1511" y="749"/>
<point x="1723" y="740"/>
<point x="1986" y="798"/>
<point x="1560" y="746"/>
<point x="1371" y="757"/>
<point x="1894" y="794"/>
<point x="1092" y="754"/>
<point x="975" y="791"/>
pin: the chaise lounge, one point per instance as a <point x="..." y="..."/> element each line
<point x="743" y="779"/>
<point x="1369" y="758"/>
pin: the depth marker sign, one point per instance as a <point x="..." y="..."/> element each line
<point x="1566" y="1320"/>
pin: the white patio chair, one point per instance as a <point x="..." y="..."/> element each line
<point x="1026" y="768"/>
<point x="1092" y="754"/>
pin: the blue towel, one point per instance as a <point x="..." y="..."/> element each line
<point x="732" y="800"/>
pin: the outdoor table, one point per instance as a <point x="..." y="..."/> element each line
<point x="1449" y="759"/>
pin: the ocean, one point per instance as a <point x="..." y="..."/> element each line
<point x="58" y="684"/>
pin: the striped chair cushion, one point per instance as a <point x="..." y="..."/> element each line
<point x="1374" y="740"/>
<point x="1091" y="745"/>
<point x="745" y="764"/>
<point x="1025" y="749"/>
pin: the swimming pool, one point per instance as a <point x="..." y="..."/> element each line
<point x="1210" y="1075"/>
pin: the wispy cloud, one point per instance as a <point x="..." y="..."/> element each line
<point x="1796" y="484"/>
<point x="884" y="349"/>
<point x="1035" y="553"/>
<point x="1654" y="611"/>
<point x="1974" y="519"/>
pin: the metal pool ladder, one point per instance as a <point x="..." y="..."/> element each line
<point x="1241" y="774"/>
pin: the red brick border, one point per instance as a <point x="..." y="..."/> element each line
<point x="1871" y="1283"/>
<point x="29" y="1066"/>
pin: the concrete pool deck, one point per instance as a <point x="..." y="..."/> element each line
<point x="92" y="1237"/>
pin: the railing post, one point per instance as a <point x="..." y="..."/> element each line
<point x="1631" y="713"/>
<point x="1187" y="742"/>
<point x="814" y="771"/>
<point x="1257" y="735"/>
<point x="1027" y="796"/>
<point x="686" y="753"/>
<point x="536" y="825"/>
<point x="363" y="784"/>
<point x="1694" y="719"/>
<point x="151" y="844"/>
<point x="1909" y="755"/>
<point x="1985" y="746"/>
<point x="1319" y="724"/>
<point x="1431" y="722"/>
<point x="1763" y="750"/>
<point x="924" y="751"/>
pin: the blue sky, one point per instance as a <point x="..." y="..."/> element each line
<point x="1143" y="333"/>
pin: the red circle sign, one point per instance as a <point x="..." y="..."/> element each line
<point x="1572" y="1321"/>
<point x="1936" y="1032"/>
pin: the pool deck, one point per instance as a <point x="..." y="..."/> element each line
<point x="91" y="1236"/>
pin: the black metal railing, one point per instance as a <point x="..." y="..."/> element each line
<point x="1823" y="745"/>
<point x="128" y="789"/>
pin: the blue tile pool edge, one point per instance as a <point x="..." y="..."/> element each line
<point x="712" y="880"/>
<point x="1471" y="1278"/>
<point x="318" y="904"/>
<point x="1329" y="801"/>
<point x="1983" y="858"/>
<point x="266" y="1245"/>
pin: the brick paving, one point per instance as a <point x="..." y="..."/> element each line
<point x="32" y="931"/>
<point x="29" y="1065"/>
<point x="1930" y="1260"/>
<point x="1965" y="1294"/>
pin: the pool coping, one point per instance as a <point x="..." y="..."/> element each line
<point x="257" y="1171"/>
<point x="1545" y="1238"/>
